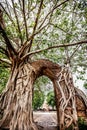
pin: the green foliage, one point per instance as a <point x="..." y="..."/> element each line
<point x="51" y="99"/>
<point x="85" y="85"/>
<point x="38" y="99"/>
<point x="68" y="24"/>
<point x="82" y="4"/>
<point x="4" y="74"/>
<point x="82" y="124"/>
<point x="40" y="90"/>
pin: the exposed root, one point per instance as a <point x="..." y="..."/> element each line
<point x="66" y="95"/>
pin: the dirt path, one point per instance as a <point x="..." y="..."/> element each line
<point x="49" y="128"/>
<point x="46" y="120"/>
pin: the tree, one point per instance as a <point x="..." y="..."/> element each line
<point x="51" y="99"/>
<point x="22" y="38"/>
<point x="38" y="99"/>
<point x="4" y="72"/>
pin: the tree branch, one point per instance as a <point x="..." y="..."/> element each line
<point x="7" y="4"/>
<point x="20" y="35"/>
<point x="30" y="10"/>
<point x="26" y="46"/>
<point x="74" y="52"/>
<point x="52" y="47"/>
<point x="34" y="29"/>
<point x="67" y="62"/>
<point x="41" y="29"/>
<point x="52" y="11"/>
<point x="60" y="29"/>
<point x="5" y="61"/>
<point x="3" y="50"/>
<point x="29" y="4"/>
<point x="7" y="42"/>
<point x="81" y="95"/>
<point x="25" y="22"/>
<point x="7" y="14"/>
<point x="22" y="50"/>
<point x="36" y="22"/>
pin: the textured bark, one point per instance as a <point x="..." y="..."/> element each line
<point x="65" y="98"/>
<point x="64" y="93"/>
<point x="16" y="100"/>
<point x="81" y="103"/>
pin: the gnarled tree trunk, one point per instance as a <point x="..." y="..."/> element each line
<point x="65" y="100"/>
<point x="16" y="100"/>
<point x="64" y="94"/>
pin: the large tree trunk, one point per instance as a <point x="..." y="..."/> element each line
<point x="65" y="100"/>
<point x="17" y="99"/>
<point x="64" y="93"/>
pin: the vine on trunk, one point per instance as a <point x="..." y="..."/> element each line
<point x="65" y="94"/>
<point x="17" y="100"/>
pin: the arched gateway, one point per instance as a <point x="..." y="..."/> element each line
<point x="17" y="110"/>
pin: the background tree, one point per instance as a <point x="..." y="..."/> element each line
<point x="4" y="73"/>
<point x="38" y="100"/>
<point x="51" y="99"/>
<point x="28" y="28"/>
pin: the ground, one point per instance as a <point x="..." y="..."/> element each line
<point x="46" y="120"/>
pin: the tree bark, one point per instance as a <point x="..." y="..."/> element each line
<point x="65" y="100"/>
<point x="16" y="100"/>
<point x="64" y="93"/>
<point x="57" y="102"/>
